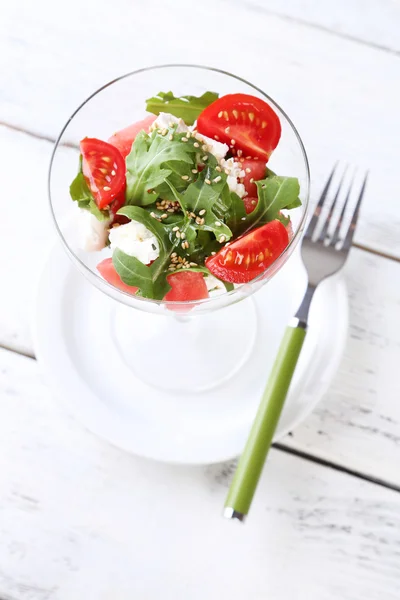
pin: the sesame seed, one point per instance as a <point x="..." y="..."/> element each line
<point x="171" y="268"/>
<point x="218" y="169"/>
<point x="180" y="265"/>
<point x="204" y="147"/>
<point x="173" y="255"/>
<point x="243" y="218"/>
<point x="159" y="131"/>
<point x="164" y="216"/>
<point x="106" y="188"/>
<point x="113" y="173"/>
<point x="170" y="137"/>
<point x="185" y="177"/>
<point x="192" y="215"/>
<point x="221" y="112"/>
<point x="233" y="142"/>
<point x="222" y="239"/>
<point x="208" y="182"/>
<point x="178" y="235"/>
<point x="175" y="228"/>
<point x="217" y="179"/>
<point x="218" y="223"/>
<point x="248" y="170"/>
<point x="198" y="220"/>
<point x="183" y="235"/>
<point x="204" y="158"/>
<point x="184" y="139"/>
<point x="164" y="131"/>
<point x="202" y="221"/>
<point x="183" y="245"/>
<point x="188" y="134"/>
<point x="194" y="171"/>
<point x="170" y="210"/>
<point x="196" y="145"/>
<point x="202" y="212"/>
<point x="213" y="253"/>
<point x="193" y="264"/>
<point x="186" y="244"/>
<point x="153" y="215"/>
<point x="226" y="171"/>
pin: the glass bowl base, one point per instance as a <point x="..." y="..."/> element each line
<point x="180" y="353"/>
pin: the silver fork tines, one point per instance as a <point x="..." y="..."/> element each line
<point x="317" y="220"/>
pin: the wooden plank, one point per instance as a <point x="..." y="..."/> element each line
<point x="356" y="425"/>
<point x="324" y="82"/>
<point x="371" y="22"/>
<point x="80" y="519"/>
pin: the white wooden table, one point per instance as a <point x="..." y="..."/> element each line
<point x="81" y="519"/>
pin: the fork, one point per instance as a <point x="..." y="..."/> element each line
<point x="323" y="255"/>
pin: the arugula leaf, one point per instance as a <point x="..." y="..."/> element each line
<point x="80" y="193"/>
<point x="147" y="160"/>
<point x="202" y="196"/>
<point x="187" y="108"/>
<point x="274" y="194"/>
<point x="133" y="272"/>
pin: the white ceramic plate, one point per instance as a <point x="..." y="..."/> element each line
<point x="73" y="341"/>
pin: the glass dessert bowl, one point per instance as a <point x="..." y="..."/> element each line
<point x="193" y="333"/>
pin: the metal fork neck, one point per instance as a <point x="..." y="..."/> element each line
<point x="301" y="317"/>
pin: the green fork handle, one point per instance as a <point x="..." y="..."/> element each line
<point x="260" y="438"/>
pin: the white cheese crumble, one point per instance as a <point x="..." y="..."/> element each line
<point x="135" y="240"/>
<point x="165" y="120"/>
<point x="218" y="149"/>
<point x="234" y="169"/>
<point x="92" y="232"/>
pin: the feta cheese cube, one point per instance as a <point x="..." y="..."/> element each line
<point x="218" y="149"/>
<point x="135" y="240"/>
<point x="92" y="232"/>
<point x="164" y="120"/>
<point x="234" y="170"/>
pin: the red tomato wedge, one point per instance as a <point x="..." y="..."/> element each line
<point x="124" y="138"/>
<point x="243" y="122"/>
<point x="250" y="202"/>
<point x="104" y="170"/>
<point x="255" y="170"/>
<point x="250" y="255"/>
<point x="107" y="270"/>
<point x="186" y="286"/>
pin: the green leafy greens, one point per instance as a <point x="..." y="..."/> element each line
<point x="152" y="160"/>
<point x="80" y="193"/>
<point x="187" y="108"/>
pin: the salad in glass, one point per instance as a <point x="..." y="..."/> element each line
<point x="185" y="199"/>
